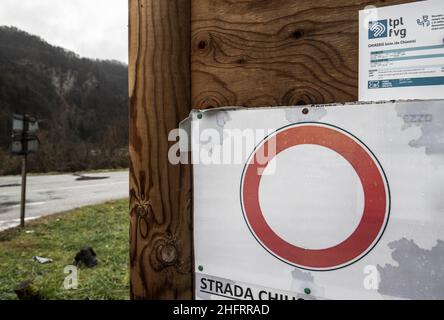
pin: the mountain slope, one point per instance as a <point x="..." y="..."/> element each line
<point x="83" y="104"/>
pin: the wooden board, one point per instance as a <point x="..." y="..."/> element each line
<point x="160" y="203"/>
<point x="243" y="53"/>
<point x="267" y="53"/>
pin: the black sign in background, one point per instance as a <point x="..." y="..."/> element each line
<point x="24" y="135"/>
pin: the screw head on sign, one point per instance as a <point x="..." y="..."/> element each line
<point x="199" y="115"/>
<point x="307" y="290"/>
<point x="200" y="268"/>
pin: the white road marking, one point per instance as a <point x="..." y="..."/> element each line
<point x="28" y="204"/>
<point x="70" y="188"/>
<point x="4" y="225"/>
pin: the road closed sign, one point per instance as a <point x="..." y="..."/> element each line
<point x="322" y="202"/>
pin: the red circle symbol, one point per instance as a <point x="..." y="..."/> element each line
<point x="376" y="196"/>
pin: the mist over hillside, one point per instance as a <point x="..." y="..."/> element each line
<point x="83" y="104"/>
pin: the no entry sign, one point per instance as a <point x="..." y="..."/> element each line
<point x="323" y="202"/>
<point x="371" y="175"/>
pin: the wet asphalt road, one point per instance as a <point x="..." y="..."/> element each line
<point x="49" y="194"/>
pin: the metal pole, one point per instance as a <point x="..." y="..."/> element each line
<point x="23" y="200"/>
<point x="24" y="169"/>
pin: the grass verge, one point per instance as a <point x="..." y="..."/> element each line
<point x="59" y="237"/>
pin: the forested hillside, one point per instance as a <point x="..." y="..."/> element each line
<point x="83" y="105"/>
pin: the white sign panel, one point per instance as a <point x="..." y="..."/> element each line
<point x="401" y="52"/>
<point x="325" y="202"/>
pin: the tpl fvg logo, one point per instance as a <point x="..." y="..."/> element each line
<point x="387" y="28"/>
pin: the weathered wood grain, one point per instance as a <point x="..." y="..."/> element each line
<point x="275" y="52"/>
<point x="160" y="193"/>
<point x="243" y="53"/>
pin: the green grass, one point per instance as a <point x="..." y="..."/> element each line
<point x="103" y="227"/>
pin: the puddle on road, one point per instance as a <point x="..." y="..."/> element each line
<point x="81" y="177"/>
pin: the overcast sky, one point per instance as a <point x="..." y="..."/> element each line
<point x="91" y="28"/>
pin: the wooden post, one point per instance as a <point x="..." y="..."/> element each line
<point x="243" y="53"/>
<point x="277" y="52"/>
<point x="160" y="193"/>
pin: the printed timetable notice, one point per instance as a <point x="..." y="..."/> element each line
<point x="401" y="52"/>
